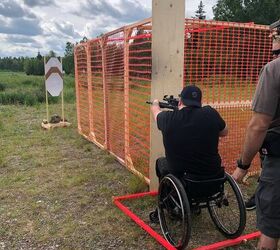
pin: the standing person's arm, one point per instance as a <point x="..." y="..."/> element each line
<point x="264" y="105"/>
<point x="254" y="137"/>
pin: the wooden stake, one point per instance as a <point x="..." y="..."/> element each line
<point x="62" y="93"/>
<point x="103" y="41"/>
<point x="47" y="102"/>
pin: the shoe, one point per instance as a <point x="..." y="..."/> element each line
<point x="154" y="217"/>
<point x="175" y="213"/>
<point x="250" y="204"/>
<point x="196" y="210"/>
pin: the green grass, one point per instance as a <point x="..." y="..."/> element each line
<point x="56" y="188"/>
<point x="18" y="88"/>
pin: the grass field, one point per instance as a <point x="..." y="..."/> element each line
<point x="18" y="88"/>
<point x="56" y="188"/>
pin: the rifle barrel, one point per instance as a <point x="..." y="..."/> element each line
<point x="275" y="25"/>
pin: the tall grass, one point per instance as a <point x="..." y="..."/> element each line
<point x="18" y="88"/>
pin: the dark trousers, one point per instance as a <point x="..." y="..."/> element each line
<point x="268" y="198"/>
<point x="161" y="168"/>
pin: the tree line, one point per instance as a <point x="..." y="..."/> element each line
<point x="257" y="11"/>
<point x="35" y="65"/>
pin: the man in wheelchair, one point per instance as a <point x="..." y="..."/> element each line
<point x="191" y="175"/>
<point x="190" y="137"/>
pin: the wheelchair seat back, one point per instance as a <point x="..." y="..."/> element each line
<point x="203" y="189"/>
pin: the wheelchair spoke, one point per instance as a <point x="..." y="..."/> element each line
<point x="228" y="212"/>
<point x="175" y="202"/>
<point x="173" y="215"/>
<point x="171" y="197"/>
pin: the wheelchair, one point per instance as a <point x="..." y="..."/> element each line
<point x="179" y="198"/>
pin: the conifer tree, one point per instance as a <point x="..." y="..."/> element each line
<point x="200" y="13"/>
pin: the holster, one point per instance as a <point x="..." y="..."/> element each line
<point x="271" y="144"/>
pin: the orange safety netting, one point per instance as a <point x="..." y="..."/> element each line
<point x="81" y="80"/>
<point x="113" y="81"/>
<point x="224" y="60"/>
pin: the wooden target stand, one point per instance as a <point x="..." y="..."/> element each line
<point x="48" y="125"/>
<point x="54" y="69"/>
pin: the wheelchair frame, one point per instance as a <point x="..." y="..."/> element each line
<point x="175" y="193"/>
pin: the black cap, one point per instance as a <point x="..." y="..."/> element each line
<point x="191" y="96"/>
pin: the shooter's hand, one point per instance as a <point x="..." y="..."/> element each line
<point x="155" y="102"/>
<point x="155" y="108"/>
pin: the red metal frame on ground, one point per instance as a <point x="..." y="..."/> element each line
<point x="161" y="240"/>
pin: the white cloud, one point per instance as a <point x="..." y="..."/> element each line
<point x="60" y="29"/>
<point x="100" y="25"/>
<point x="19" y="39"/>
<point x="13" y="9"/>
<point x="31" y="25"/>
<point x="33" y="3"/>
<point x="21" y="26"/>
<point x="121" y="11"/>
<point x="67" y="29"/>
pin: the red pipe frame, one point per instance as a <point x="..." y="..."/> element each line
<point x="161" y="240"/>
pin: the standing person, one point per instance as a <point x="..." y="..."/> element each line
<point x="264" y="126"/>
<point x="190" y="137"/>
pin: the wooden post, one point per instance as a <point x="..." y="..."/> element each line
<point x="77" y="88"/>
<point x="89" y="80"/>
<point x="168" y="18"/>
<point x="47" y="100"/>
<point x="62" y="93"/>
<point x="128" y="160"/>
<point x="103" y="41"/>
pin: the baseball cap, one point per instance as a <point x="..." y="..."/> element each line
<point x="191" y="96"/>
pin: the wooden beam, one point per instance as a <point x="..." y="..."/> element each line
<point x="128" y="160"/>
<point x="168" y="19"/>
<point x="78" y="94"/>
<point x="103" y="42"/>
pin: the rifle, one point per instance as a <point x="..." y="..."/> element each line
<point x="275" y="25"/>
<point x="169" y="102"/>
<point x="275" y="29"/>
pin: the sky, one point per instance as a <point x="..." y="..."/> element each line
<point x="29" y="26"/>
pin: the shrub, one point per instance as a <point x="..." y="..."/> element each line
<point x="2" y="86"/>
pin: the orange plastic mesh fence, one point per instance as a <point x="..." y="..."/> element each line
<point x="114" y="77"/>
<point x="140" y="73"/>
<point x="82" y="88"/>
<point x="113" y="81"/>
<point x="96" y="91"/>
<point x="224" y="60"/>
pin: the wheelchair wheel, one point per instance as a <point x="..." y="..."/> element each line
<point x="174" y="212"/>
<point x="228" y="210"/>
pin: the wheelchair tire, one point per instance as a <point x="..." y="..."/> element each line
<point x="231" y="196"/>
<point x="174" y="212"/>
